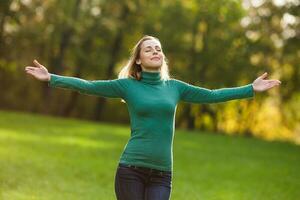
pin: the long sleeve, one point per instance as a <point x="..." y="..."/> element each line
<point x="105" y="88"/>
<point x="195" y="94"/>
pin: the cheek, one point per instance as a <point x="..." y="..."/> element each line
<point x="145" y="57"/>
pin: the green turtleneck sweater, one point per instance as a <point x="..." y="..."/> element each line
<point x="152" y="104"/>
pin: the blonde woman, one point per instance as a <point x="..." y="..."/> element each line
<point x="146" y="164"/>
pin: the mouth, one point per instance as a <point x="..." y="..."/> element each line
<point x="155" y="58"/>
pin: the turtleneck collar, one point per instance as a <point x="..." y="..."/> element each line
<point x="151" y="77"/>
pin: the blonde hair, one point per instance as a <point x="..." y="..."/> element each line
<point x="133" y="70"/>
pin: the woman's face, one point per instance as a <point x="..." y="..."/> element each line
<point x="151" y="55"/>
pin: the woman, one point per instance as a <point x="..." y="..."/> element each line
<point x="146" y="164"/>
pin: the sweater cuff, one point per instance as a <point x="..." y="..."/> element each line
<point x="252" y="90"/>
<point x="53" y="77"/>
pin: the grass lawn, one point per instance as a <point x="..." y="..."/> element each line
<point x="54" y="158"/>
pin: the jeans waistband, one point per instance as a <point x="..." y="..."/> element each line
<point x="145" y="169"/>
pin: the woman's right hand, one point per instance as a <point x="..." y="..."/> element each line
<point x="39" y="72"/>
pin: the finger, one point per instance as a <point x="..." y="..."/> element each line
<point x="273" y="84"/>
<point x="264" y="75"/>
<point x="30" y="68"/>
<point x="30" y="72"/>
<point x="37" y="63"/>
<point x="272" y="80"/>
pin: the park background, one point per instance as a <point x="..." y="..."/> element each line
<point x="211" y="44"/>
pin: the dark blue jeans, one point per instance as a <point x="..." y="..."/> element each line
<point x="139" y="183"/>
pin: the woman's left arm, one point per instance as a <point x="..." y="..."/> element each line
<point x="195" y="94"/>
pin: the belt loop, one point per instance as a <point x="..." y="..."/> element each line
<point x="161" y="173"/>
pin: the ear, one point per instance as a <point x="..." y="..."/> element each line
<point x="138" y="61"/>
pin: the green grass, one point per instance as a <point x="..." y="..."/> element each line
<point x="54" y="158"/>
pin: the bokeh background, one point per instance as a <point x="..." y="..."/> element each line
<point x="212" y="44"/>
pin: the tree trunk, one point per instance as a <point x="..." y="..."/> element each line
<point x="69" y="106"/>
<point x="4" y="12"/>
<point x="188" y="116"/>
<point x="115" y="51"/>
<point x="56" y="62"/>
<point x="205" y="108"/>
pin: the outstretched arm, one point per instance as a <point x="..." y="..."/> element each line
<point x="105" y="88"/>
<point x="194" y="94"/>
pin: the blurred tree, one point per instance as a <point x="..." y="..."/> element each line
<point x="4" y="12"/>
<point x="64" y="30"/>
<point x="211" y="44"/>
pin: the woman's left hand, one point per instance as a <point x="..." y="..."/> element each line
<point x="260" y="85"/>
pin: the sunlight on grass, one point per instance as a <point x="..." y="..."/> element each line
<point x="63" y="140"/>
<point x="44" y="157"/>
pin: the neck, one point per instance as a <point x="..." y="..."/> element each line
<point x="151" y="77"/>
<point x="151" y="69"/>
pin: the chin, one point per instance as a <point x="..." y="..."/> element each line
<point x="155" y="66"/>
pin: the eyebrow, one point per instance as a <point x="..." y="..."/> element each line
<point x="151" y="46"/>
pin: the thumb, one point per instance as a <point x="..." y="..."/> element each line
<point x="264" y="75"/>
<point x="37" y="63"/>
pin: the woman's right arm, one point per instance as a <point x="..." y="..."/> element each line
<point x="105" y="88"/>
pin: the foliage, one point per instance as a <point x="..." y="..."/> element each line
<point x="211" y="44"/>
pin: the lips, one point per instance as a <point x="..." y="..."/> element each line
<point x="155" y="58"/>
